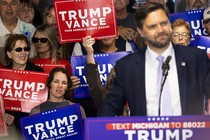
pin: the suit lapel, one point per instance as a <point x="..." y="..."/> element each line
<point x="181" y="64"/>
<point x="140" y="64"/>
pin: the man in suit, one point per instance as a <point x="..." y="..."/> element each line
<point x="188" y="79"/>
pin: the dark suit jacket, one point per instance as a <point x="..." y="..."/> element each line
<point x="129" y="83"/>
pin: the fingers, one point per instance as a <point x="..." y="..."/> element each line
<point x="126" y="33"/>
<point x="88" y="41"/>
<point x="75" y="82"/>
<point x="9" y="119"/>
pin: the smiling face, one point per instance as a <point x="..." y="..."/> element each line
<point x="19" y="59"/>
<point x="156" y="29"/>
<point x="8" y="9"/>
<point x="58" y="87"/>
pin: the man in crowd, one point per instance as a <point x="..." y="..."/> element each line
<point x="125" y="20"/>
<point x="10" y="23"/>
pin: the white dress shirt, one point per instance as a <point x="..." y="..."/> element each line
<point x="151" y="70"/>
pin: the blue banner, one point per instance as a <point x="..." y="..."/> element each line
<point x="203" y="42"/>
<point x="62" y="123"/>
<point x="148" y="128"/>
<point x="105" y="61"/>
<point x="195" y="19"/>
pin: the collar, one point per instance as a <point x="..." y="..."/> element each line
<point x="153" y="55"/>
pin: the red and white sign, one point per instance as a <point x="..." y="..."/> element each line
<point x="79" y="18"/>
<point x="22" y="90"/>
<point x="3" y="125"/>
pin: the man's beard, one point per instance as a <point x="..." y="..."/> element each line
<point x="159" y="44"/>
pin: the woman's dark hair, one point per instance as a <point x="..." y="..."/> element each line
<point x="51" y="77"/>
<point x="10" y="44"/>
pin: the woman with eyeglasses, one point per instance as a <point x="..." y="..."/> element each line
<point x="16" y="50"/>
<point x="181" y="32"/>
<point x="46" y="44"/>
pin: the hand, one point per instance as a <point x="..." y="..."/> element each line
<point x="88" y="43"/>
<point x="75" y="82"/>
<point x="9" y="119"/>
<point x="126" y="33"/>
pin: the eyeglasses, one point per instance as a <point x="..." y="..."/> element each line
<point x="19" y="49"/>
<point x="178" y="35"/>
<point x="42" y="40"/>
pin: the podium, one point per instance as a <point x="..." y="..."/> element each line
<point x="148" y="128"/>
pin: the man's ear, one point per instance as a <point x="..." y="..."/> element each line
<point x="140" y="31"/>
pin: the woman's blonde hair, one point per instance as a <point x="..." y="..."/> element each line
<point x="50" y="33"/>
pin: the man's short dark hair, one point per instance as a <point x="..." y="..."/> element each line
<point x="146" y="9"/>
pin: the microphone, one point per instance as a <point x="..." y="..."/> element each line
<point x="165" y="68"/>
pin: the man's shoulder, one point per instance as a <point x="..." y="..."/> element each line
<point x="191" y="53"/>
<point x="133" y="57"/>
<point x="188" y="49"/>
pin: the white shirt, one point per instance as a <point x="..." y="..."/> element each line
<point x="151" y="70"/>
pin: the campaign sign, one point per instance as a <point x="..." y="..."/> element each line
<point x="3" y="125"/>
<point x="48" y="67"/>
<point x="105" y="62"/>
<point x="203" y="42"/>
<point x="62" y="123"/>
<point x="79" y="18"/>
<point x="22" y="90"/>
<point x="148" y="128"/>
<point x="195" y="19"/>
